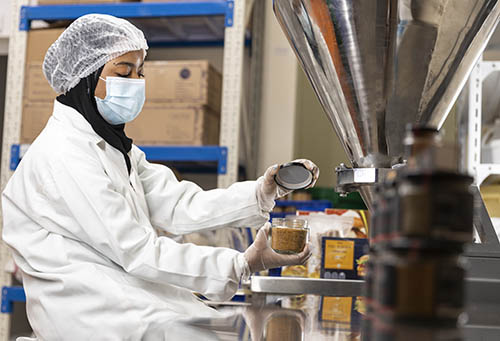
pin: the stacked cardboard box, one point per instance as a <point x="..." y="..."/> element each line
<point x="183" y="100"/>
<point x="38" y="96"/>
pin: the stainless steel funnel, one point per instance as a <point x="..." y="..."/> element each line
<point x="378" y="65"/>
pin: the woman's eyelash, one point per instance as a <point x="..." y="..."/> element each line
<point x="128" y="75"/>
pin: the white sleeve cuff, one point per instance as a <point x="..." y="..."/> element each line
<point x="266" y="202"/>
<point x="242" y="267"/>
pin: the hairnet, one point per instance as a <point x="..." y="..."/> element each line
<point x="86" y="45"/>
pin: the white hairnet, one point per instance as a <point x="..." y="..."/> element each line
<point x="87" y="44"/>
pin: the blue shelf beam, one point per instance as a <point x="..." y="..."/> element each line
<point x="322" y="204"/>
<point x="15" y="156"/>
<point x="129" y="10"/>
<point x="194" y="43"/>
<point x="173" y="153"/>
<point x="11" y="295"/>
<point x="160" y="153"/>
<point x="308" y="205"/>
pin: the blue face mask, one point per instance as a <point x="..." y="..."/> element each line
<point x="124" y="99"/>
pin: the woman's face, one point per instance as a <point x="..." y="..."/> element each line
<point x="129" y="65"/>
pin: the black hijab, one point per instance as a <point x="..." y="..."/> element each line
<point x="81" y="98"/>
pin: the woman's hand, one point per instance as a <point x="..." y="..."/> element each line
<point x="268" y="190"/>
<point x="260" y="256"/>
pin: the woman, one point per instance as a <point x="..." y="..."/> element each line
<point x="80" y="211"/>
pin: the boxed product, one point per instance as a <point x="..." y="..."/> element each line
<point x="344" y="258"/>
<point x="176" y="124"/>
<point x="35" y="117"/>
<point x="38" y="96"/>
<point x="341" y="313"/>
<point x="39" y="42"/>
<point x="67" y="2"/>
<point x="360" y="220"/>
<point x="182" y="81"/>
<point x="36" y="86"/>
<point x="491" y="197"/>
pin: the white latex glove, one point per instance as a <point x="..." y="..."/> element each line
<point x="268" y="190"/>
<point x="260" y="256"/>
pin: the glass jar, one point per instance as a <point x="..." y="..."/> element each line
<point x="285" y="324"/>
<point x="289" y="236"/>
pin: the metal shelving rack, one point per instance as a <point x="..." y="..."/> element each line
<point x="481" y="171"/>
<point x="236" y="14"/>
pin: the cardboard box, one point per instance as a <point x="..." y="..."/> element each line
<point x="66" y="2"/>
<point x="35" y="117"/>
<point x="39" y="42"/>
<point x="194" y="82"/>
<point x="491" y="197"/>
<point x="36" y="86"/>
<point x="175" y="124"/>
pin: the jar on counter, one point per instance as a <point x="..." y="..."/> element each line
<point x="289" y="236"/>
<point x="285" y="324"/>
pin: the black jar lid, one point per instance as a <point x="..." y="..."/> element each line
<point x="293" y="176"/>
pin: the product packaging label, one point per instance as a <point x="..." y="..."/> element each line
<point x="343" y="258"/>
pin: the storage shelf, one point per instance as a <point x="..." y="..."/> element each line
<point x="304" y="203"/>
<point x="189" y="23"/>
<point x="216" y="154"/>
<point x="481" y="171"/>
<point x="11" y="295"/>
<point x="164" y="24"/>
<point x="181" y="153"/>
<point x="128" y="10"/>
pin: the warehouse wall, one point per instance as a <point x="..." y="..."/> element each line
<point x="449" y="128"/>
<point x="277" y="124"/>
<point x="315" y="138"/>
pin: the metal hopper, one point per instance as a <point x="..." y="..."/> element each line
<point x="378" y="65"/>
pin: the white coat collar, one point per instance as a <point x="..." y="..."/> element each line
<point x="71" y="117"/>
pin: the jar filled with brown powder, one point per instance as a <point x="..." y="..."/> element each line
<point x="289" y="236"/>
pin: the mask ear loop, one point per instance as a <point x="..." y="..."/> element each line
<point x="96" y="75"/>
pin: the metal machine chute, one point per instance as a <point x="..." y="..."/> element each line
<point x="379" y="65"/>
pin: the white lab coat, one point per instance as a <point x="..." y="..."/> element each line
<point x="82" y="231"/>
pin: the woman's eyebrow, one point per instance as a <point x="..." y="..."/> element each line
<point x="129" y="64"/>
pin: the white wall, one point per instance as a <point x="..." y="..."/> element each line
<point x="5" y="25"/>
<point x="277" y="123"/>
<point x="315" y="138"/>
